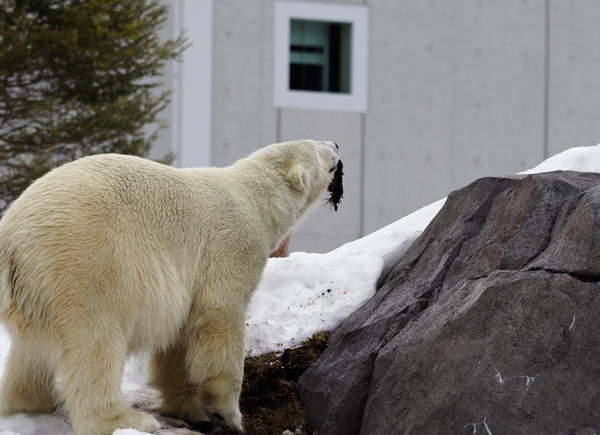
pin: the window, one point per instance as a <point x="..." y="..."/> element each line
<point x="320" y="56"/>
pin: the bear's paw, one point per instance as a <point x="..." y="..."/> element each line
<point x="124" y="419"/>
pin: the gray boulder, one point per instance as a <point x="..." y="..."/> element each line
<point x="490" y="323"/>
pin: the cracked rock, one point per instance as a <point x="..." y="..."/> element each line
<point x="488" y="322"/>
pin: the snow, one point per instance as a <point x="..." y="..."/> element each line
<point x="306" y="293"/>
<point x="299" y="296"/>
<point x="581" y="159"/>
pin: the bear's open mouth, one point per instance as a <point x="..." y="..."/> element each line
<point x="335" y="188"/>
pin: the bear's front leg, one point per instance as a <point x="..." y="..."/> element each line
<point x="215" y="363"/>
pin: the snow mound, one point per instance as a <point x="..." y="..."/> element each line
<point x="580" y="159"/>
<point x="305" y="293"/>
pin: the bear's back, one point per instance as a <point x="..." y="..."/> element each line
<point x="106" y="225"/>
<point x="112" y="189"/>
<point x="113" y="204"/>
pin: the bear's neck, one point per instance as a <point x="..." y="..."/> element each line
<point x="269" y="198"/>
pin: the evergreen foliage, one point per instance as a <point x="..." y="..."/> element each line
<point x="77" y="77"/>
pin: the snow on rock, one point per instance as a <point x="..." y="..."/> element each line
<point x="581" y="159"/>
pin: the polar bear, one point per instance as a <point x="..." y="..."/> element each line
<point x="112" y="254"/>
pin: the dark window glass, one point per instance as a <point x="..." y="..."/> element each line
<point x="320" y="56"/>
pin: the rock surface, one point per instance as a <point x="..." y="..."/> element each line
<point x="490" y="323"/>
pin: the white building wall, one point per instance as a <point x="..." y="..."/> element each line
<point x="457" y="90"/>
<point x="164" y="142"/>
<point x="574" y="74"/>
<point x="244" y="118"/>
<point x="457" y="93"/>
<point x="189" y="116"/>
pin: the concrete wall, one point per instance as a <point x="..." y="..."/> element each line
<point x="163" y="145"/>
<point x="244" y="118"/>
<point x="457" y="93"/>
<point x="457" y="90"/>
<point x="573" y="74"/>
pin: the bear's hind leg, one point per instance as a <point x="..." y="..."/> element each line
<point x="28" y="383"/>
<point x="92" y="372"/>
<point x="168" y="375"/>
<point x="215" y="362"/>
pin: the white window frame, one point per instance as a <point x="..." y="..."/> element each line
<point x="358" y="16"/>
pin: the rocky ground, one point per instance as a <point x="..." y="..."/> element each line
<point x="488" y="324"/>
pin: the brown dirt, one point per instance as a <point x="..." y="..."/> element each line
<point x="268" y="401"/>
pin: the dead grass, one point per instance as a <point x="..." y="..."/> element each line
<point x="268" y="401"/>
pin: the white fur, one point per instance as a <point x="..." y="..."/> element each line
<point x="111" y="254"/>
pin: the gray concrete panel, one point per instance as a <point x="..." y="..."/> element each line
<point x="163" y="145"/>
<point x="244" y="118"/>
<point x="456" y="93"/>
<point x="324" y="230"/>
<point x="574" y="74"/>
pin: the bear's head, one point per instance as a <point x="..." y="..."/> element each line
<point x="308" y="167"/>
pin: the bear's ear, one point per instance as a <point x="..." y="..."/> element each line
<point x="296" y="178"/>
